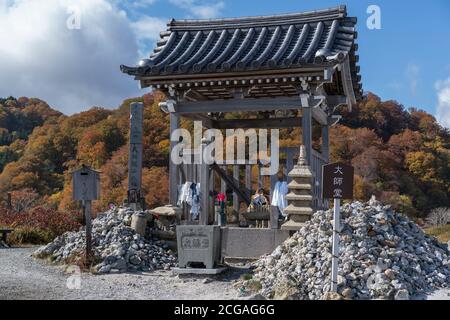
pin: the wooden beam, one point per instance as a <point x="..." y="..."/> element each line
<point x="269" y="123"/>
<point x="347" y="83"/>
<point x="233" y="105"/>
<point x="207" y="122"/>
<point x="258" y="123"/>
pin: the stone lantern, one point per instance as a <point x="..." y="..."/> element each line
<point x="299" y="197"/>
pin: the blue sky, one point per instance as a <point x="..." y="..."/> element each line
<point x="402" y="61"/>
<point x="407" y="60"/>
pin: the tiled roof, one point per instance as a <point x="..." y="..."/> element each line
<point x="315" y="38"/>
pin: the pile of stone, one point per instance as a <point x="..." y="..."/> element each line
<point x="383" y="255"/>
<point x="115" y="245"/>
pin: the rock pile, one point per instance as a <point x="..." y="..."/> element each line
<point x="383" y="255"/>
<point x="114" y="244"/>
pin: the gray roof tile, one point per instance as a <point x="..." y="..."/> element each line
<point x="321" y="37"/>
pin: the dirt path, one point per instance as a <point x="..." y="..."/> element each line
<point x="22" y="277"/>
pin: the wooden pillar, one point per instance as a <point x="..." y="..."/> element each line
<point x="248" y="177"/>
<point x="307" y="132"/>
<point x="326" y="143"/>
<point x="223" y="185"/>
<point x="260" y="182"/>
<point x="204" y="189"/>
<point x="273" y="181"/>
<point x="173" y="172"/>
<point x="212" y="215"/>
<point x="235" y="196"/>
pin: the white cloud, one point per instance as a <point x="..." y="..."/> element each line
<point x="75" y="69"/>
<point x="201" y="9"/>
<point x="71" y="69"/>
<point x="443" y="106"/>
<point x="142" y="3"/>
<point x="148" y="28"/>
<point x="147" y="31"/>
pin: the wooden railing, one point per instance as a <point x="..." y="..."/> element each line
<point x="316" y="167"/>
<point x="241" y="176"/>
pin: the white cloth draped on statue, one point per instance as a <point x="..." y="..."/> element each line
<point x="279" y="195"/>
<point x="189" y="193"/>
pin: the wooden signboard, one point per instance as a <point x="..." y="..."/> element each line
<point x="85" y="184"/>
<point x="337" y="184"/>
<point x="337" y="181"/>
<point x="86" y="187"/>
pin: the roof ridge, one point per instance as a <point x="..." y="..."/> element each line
<point x="299" y="17"/>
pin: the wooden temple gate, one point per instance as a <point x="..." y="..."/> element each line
<point x="282" y="71"/>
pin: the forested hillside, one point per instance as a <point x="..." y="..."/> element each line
<point x="401" y="156"/>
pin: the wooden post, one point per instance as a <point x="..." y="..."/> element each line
<point x="273" y="181"/>
<point x="307" y="132"/>
<point x="326" y="143"/>
<point x="248" y="177"/>
<point x="88" y="217"/>
<point x="335" y="248"/>
<point x="235" y="196"/>
<point x="135" y="154"/>
<point x="223" y="185"/>
<point x="260" y="182"/>
<point x="212" y="214"/>
<point x="204" y="188"/>
<point x="173" y="174"/>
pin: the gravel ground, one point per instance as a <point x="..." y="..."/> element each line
<point x="22" y="277"/>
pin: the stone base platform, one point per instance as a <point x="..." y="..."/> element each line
<point x="250" y="243"/>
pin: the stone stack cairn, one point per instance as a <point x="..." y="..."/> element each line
<point x="116" y="246"/>
<point x="299" y="197"/>
<point x="383" y="255"/>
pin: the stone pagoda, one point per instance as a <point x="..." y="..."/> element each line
<point x="299" y="197"/>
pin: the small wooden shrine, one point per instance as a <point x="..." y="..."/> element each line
<point x="289" y="70"/>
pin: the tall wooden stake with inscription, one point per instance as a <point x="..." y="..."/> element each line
<point x="337" y="184"/>
<point x="135" y="154"/>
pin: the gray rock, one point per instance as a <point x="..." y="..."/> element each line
<point x="402" y="295"/>
<point x="105" y="269"/>
<point x="114" y="242"/>
<point x="383" y="255"/>
<point x="135" y="260"/>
